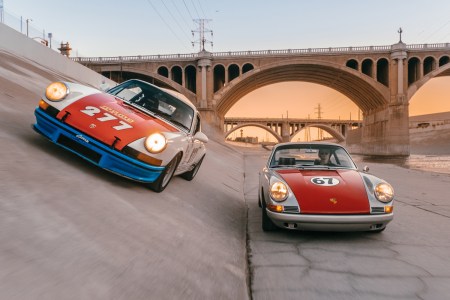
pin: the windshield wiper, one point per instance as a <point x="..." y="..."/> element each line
<point x="178" y="123"/>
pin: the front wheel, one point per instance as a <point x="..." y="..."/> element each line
<point x="163" y="180"/>
<point x="191" y="174"/>
<point x="267" y="224"/>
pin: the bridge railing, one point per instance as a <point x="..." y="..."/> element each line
<point x="283" y="52"/>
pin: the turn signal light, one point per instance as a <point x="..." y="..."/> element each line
<point x="276" y="208"/>
<point x="388" y="209"/>
<point x="43" y="105"/>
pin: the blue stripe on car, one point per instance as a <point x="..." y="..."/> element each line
<point x="92" y="150"/>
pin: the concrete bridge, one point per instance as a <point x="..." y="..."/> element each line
<point x="380" y="80"/>
<point x="285" y="129"/>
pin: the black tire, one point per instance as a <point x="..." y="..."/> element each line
<point x="163" y="180"/>
<point x="266" y="222"/>
<point x="259" y="201"/>
<point x="378" y="230"/>
<point x="191" y="174"/>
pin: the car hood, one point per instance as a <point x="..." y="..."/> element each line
<point x="328" y="191"/>
<point x="111" y="120"/>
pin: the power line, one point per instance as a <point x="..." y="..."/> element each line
<point x="175" y="19"/>
<point x="187" y="8"/>
<point x="195" y="8"/>
<point x="201" y="8"/>
<point x="188" y="24"/>
<point x="437" y="30"/>
<point x="164" y="21"/>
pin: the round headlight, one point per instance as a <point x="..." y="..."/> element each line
<point x="278" y="191"/>
<point x="56" y="91"/>
<point x="155" y="143"/>
<point x="384" y="192"/>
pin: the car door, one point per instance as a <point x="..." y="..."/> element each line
<point x="193" y="146"/>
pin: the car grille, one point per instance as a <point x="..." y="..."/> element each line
<point x="378" y="210"/>
<point x="291" y="209"/>
<point x="79" y="148"/>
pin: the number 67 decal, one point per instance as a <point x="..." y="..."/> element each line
<point x="92" y="111"/>
<point x="325" y="181"/>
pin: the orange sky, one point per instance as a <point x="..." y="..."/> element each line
<point x="301" y="100"/>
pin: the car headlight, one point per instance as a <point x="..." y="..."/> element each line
<point x="56" y="91"/>
<point x="384" y="192"/>
<point x="278" y="191"/>
<point x="155" y="143"/>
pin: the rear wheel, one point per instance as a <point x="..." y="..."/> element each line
<point x="163" y="180"/>
<point x="191" y="174"/>
<point x="267" y="224"/>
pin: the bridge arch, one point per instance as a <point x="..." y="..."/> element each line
<point x="365" y="92"/>
<point x="383" y="71"/>
<point x="163" y="71"/>
<point x="333" y="132"/>
<point x="190" y="75"/>
<point x="367" y="67"/>
<point x="233" y="72"/>
<point x="177" y="74"/>
<point x="443" y="60"/>
<point x="275" y="134"/>
<point x="415" y="86"/>
<point x="247" y="67"/>
<point x="218" y="76"/>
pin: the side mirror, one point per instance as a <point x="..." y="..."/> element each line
<point x="366" y="169"/>
<point x="201" y="137"/>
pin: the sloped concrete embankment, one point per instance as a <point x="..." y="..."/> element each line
<point x="69" y="230"/>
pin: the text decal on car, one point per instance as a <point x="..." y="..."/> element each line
<point x="92" y="111"/>
<point x="325" y="181"/>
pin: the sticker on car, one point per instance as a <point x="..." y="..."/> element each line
<point x="325" y="181"/>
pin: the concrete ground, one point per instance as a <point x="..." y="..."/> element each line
<point x="409" y="260"/>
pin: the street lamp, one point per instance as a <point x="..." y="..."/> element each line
<point x="28" y="20"/>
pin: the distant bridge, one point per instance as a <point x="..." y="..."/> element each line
<point x="380" y="80"/>
<point x="285" y="129"/>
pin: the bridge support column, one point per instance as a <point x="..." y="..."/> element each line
<point x="204" y="63"/>
<point x="285" y="132"/>
<point x="386" y="132"/>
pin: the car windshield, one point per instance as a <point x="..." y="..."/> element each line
<point x="311" y="156"/>
<point x="150" y="98"/>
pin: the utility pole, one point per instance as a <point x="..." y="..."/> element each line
<point x="28" y="21"/>
<point x="319" y="111"/>
<point x="319" y="116"/>
<point x="202" y="30"/>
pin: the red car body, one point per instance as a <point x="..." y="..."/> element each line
<point x="297" y="190"/>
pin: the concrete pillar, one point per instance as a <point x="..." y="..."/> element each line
<point x="386" y="130"/>
<point x="285" y="136"/>
<point x="204" y="63"/>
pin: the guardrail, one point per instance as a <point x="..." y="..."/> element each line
<point x="290" y="120"/>
<point x="258" y="53"/>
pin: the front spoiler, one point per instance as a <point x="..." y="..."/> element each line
<point x="330" y="222"/>
<point x="93" y="151"/>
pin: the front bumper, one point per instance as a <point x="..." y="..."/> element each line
<point x="330" y="222"/>
<point x="92" y="150"/>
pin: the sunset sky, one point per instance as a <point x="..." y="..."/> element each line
<point x="141" y="27"/>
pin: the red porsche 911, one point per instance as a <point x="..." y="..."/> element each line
<point x="317" y="187"/>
